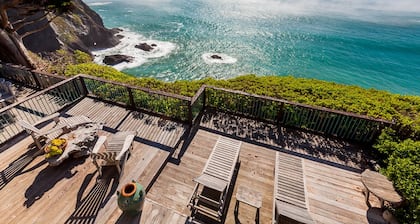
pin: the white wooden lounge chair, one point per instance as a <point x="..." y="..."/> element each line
<point x="290" y="204"/>
<point x="62" y="125"/>
<point x="37" y="134"/>
<point x="116" y="151"/>
<point x="210" y="193"/>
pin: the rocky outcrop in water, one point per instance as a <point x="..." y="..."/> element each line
<point x="215" y="56"/>
<point x="145" y="46"/>
<point x="116" y="59"/>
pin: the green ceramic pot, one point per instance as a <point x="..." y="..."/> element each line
<point x="131" y="198"/>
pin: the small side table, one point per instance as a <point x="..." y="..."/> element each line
<point x="250" y="197"/>
<point x="380" y="186"/>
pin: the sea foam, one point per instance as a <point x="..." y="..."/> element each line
<point x="99" y="3"/>
<point x="127" y="47"/>
<point x="225" y="59"/>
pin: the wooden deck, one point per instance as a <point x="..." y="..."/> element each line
<point x="334" y="194"/>
<point x="33" y="192"/>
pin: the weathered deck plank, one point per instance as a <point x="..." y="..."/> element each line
<point x="154" y="129"/>
<point x="108" y="114"/>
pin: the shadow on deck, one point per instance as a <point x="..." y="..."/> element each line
<point x="331" y="151"/>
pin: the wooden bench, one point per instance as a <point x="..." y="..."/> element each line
<point x="289" y="191"/>
<point x="250" y="197"/>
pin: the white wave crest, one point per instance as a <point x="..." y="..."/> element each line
<point x="99" y="3"/>
<point x="127" y="47"/>
<point x="225" y="59"/>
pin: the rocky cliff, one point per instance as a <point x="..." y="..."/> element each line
<point x="81" y="29"/>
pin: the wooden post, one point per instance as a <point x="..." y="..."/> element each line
<point x="204" y="99"/>
<point x="190" y="114"/>
<point x="37" y="83"/>
<point x="84" y="87"/>
<point x="131" y="98"/>
<point x="280" y="113"/>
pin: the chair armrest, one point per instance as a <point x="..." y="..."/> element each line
<point x="127" y="143"/>
<point x="98" y="144"/>
<point x="28" y="127"/>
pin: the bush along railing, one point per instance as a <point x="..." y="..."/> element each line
<point x="37" y="106"/>
<point x="317" y="119"/>
<point x="168" y="105"/>
<point x="27" y="77"/>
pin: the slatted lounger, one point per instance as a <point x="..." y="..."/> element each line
<point x="212" y="185"/>
<point x="62" y="125"/>
<point x="289" y="191"/>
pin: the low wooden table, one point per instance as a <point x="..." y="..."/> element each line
<point x="79" y="143"/>
<point x="250" y="197"/>
<point x="380" y="186"/>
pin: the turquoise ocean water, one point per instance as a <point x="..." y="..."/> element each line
<point x="369" y="43"/>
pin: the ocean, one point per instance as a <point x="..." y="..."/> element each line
<point x="368" y="43"/>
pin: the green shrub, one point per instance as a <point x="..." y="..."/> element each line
<point x="82" y="57"/>
<point x="401" y="165"/>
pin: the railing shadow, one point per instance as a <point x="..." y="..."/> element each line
<point x="16" y="167"/>
<point x="88" y="208"/>
<point x="332" y="151"/>
<point x="47" y="178"/>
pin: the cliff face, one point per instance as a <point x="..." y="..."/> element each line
<point x="82" y="29"/>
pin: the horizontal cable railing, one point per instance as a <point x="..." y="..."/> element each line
<point x="317" y="119"/>
<point x="168" y="105"/>
<point x="37" y="106"/>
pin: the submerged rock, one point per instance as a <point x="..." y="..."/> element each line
<point x="145" y="46"/>
<point x="215" y="56"/>
<point x="116" y="59"/>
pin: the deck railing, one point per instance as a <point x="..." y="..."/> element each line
<point x="320" y="120"/>
<point x="164" y="104"/>
<point x="37" y="106"/>
<point x="31" y="78"/>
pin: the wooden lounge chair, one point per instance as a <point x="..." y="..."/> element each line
<point x="210" y="193"/>
<point x="62" y="125"/>
<point x="289" y="191"/>
<point x="116" y="151"/>
<point x="37" y="134"/>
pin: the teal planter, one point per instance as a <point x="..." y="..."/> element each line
<point x="131" y="198"/>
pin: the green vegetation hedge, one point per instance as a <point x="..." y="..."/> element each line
<point x="399" y="147"/>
